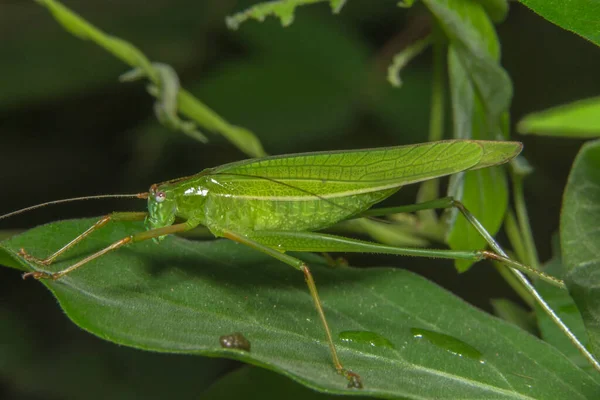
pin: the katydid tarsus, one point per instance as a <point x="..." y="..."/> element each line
<point x="278" y="204"/>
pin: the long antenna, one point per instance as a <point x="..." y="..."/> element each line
<point x="102" y="196"/>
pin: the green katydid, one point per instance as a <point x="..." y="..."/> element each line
<point x="277" y="204"/>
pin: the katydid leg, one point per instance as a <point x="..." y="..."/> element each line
<point x="117" y="216"/>
<point x="498" y="254"/>
<point x="353" y="378"/>
<point x="138" y="237"/>
<point x="501" y="256"/>
<point x="322" y="242"/>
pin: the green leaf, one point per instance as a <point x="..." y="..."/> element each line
<point x="485" y="194"/>
<point x="578" y="16"/>
<point x="477" y="109"/>
<point x="580" y="238"/>
<point x="473" y="38"/>
<point x="565" y="308"/>
<point x="580" y="119"/>
<point x="512" y="312"/>
<point x="496" y="9"/>
<point x="282" y="9"/>
<point x="181" y="296"/>
<point x="254" y="383"/>
<point x="187" y="104"/>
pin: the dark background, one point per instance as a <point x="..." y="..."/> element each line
<point x="69" y="128"/>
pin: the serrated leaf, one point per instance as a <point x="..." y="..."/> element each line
<point x="580" y="238"/>
<point x="580" y="119"/>
<point x="578" y="16"/>
<point x="181" y="296"/>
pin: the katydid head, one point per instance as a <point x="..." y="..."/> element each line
<point x="161" y="207"/>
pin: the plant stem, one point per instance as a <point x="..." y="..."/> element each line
<point x="523" y="218"/>
<point x="514" y="236"/>
<point x="429" y="190"/>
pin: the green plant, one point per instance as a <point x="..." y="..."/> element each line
<point x="184" y="284"/>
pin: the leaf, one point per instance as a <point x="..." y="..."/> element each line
<point x="580" y="119"/>
<point x="477" y="110"/>
<point x="578" y="16"/>
<point x="181" y="296"/>
<point x="485" y="194"/>
<point x="580" y="238"/>
<point x="565" y="308"/>
<point x="474" y="40"/>
<point x="512" y="312"/>
<point x="496" y="9"/>
<point x="282" y="9"/>
<point x="253" y="383"/>
<point x="188" y="104"/>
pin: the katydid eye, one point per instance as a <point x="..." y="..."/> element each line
<point x="160" y="197"/>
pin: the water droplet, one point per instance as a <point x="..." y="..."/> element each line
<point x="448" y="343"/>
<point x="366" y="337"/>
<point x="235" y="341"/>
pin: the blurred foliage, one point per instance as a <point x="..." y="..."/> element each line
<point x="578" y="16"/>
<point x="282" y="9"/>
<point x="170" y="98"/>
<point x="69" y="128"/>
<point x="580" y="238"/>
<point x="580" y="119"/>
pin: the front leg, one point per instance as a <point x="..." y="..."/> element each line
<point x="138" y="237"/>
<point x="117" y="216"/>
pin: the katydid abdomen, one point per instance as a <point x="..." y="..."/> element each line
<point x="220" y="205"/>
<point x="244" y="214"/>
